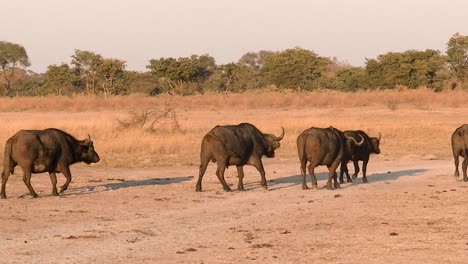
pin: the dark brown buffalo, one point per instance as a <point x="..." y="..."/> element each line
<point x="459" y="148"/>
<point x="371" y="145"/>
<point x="237" y="145"/>
<point x="322" y="146"/>
<point x="50" y="150"/>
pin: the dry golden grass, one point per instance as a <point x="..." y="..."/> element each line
<point x="412" y="122"/>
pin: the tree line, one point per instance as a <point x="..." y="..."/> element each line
<point x="297" y="69"/>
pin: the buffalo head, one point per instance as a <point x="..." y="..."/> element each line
<point x="88" y="154"/>
<point x="375" y="144"/>
<point x="273" y="142"/>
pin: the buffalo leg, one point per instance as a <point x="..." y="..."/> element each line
<point x="332" y="175"/>
<point x="456" y="157"/>
<point x="464" y="165"/>
<point x="313" y="179"/>
<point x="202" y="170"/>
<point x="240" y="174"/>
<point x="220" y="173"/>
<point x="344" y="170"/>
<point x="259" y="165"/>
<point x="5" y="176"/>
<point x="53" y="179"/>
<point x="66" y="172"/>
<point x="356" y="168"/>
<point x="364" y="169"/>
<point x="27" y="182"/>
<point x="303" y="174"/>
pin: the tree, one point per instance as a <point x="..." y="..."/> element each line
<point x="60" y="79"/>
<point x="179" y="73"/>
<point x="255" y="60"/>
<point x="236" y="77"/>
<point x="86" y="64"/>
<point x="111" y="75"/>
<point x="12" y="57"/>
<point x="457" y="53"/>
<point x="352" y="79"/>
<point x="411" y="68"/>
<point x="293" y="68"/>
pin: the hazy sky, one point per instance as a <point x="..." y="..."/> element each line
<point x="140" y="30"/>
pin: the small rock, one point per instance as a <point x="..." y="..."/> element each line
<point x="284" y="232"/>
<point x="180" y="252"/>
<point x="338" y="195"/>
<point x="393" y="234"/>
<point x="190" y="250"/>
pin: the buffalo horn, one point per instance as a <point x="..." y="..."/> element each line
<point x="282" y="135"/>
<point x="355" y="142"/>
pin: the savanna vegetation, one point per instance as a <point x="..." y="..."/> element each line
<point x="89" y="73"/>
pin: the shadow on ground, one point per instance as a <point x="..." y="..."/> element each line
<point x="293" y="180"/>
<point x="126" y="184"/>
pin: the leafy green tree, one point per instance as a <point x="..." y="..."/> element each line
<point x="111" y="76"/>
<point x="86" y="65"/>
<point x="12" y="57"/>
<point x="255" y="60"/>
<point x="184" y="73"/>
<point x="235" y="77"/>
<point x="410" y="68"/>
<point x="60" y="79"/>
<point x="141" y="82"/>
<point x="293" y="68"/>
<point x="457" y="53"/>
<point x="352" y="79"/>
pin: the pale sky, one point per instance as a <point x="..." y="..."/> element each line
<point x="139" y="30"/>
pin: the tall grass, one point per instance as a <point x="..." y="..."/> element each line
<point x="421" y="125"/>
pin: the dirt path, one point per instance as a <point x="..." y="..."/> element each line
<point x="412" y="211"/>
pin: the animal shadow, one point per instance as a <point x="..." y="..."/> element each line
<point x="126" y="184"/>
<point x="294" y="180"/>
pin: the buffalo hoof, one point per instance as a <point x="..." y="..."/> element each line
<point x="354" y="176"/>
<point x="456" y="174"/>
<point x="241" y="189"/>
<point x="364" y="180"/>
<point x="198" y="189"/>
<point x="227" y="189"/>
<point x="35" y="196"/>
<point x="304" y="187"/>
<point x="465" y="179"/>
<point x="3" y="197"/>
<point x="342" y="182"/>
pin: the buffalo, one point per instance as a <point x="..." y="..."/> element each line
<point x="50" y="150"/>
<point x="459" y="148"/>
<point x="323" y="146"/>
<point x="237" y="145"/>
<point x="371" y="145"/>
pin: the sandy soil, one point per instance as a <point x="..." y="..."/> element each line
<point x="412" y="211"/>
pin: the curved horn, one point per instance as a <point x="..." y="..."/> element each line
<point x="380" y="136"/>
<point x="282" y="135"/>
<point x="354" y="140"/>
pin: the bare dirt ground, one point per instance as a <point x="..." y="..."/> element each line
<point x="412" y="211"/>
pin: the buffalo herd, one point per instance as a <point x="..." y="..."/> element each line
<point x="53" y="151"/>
